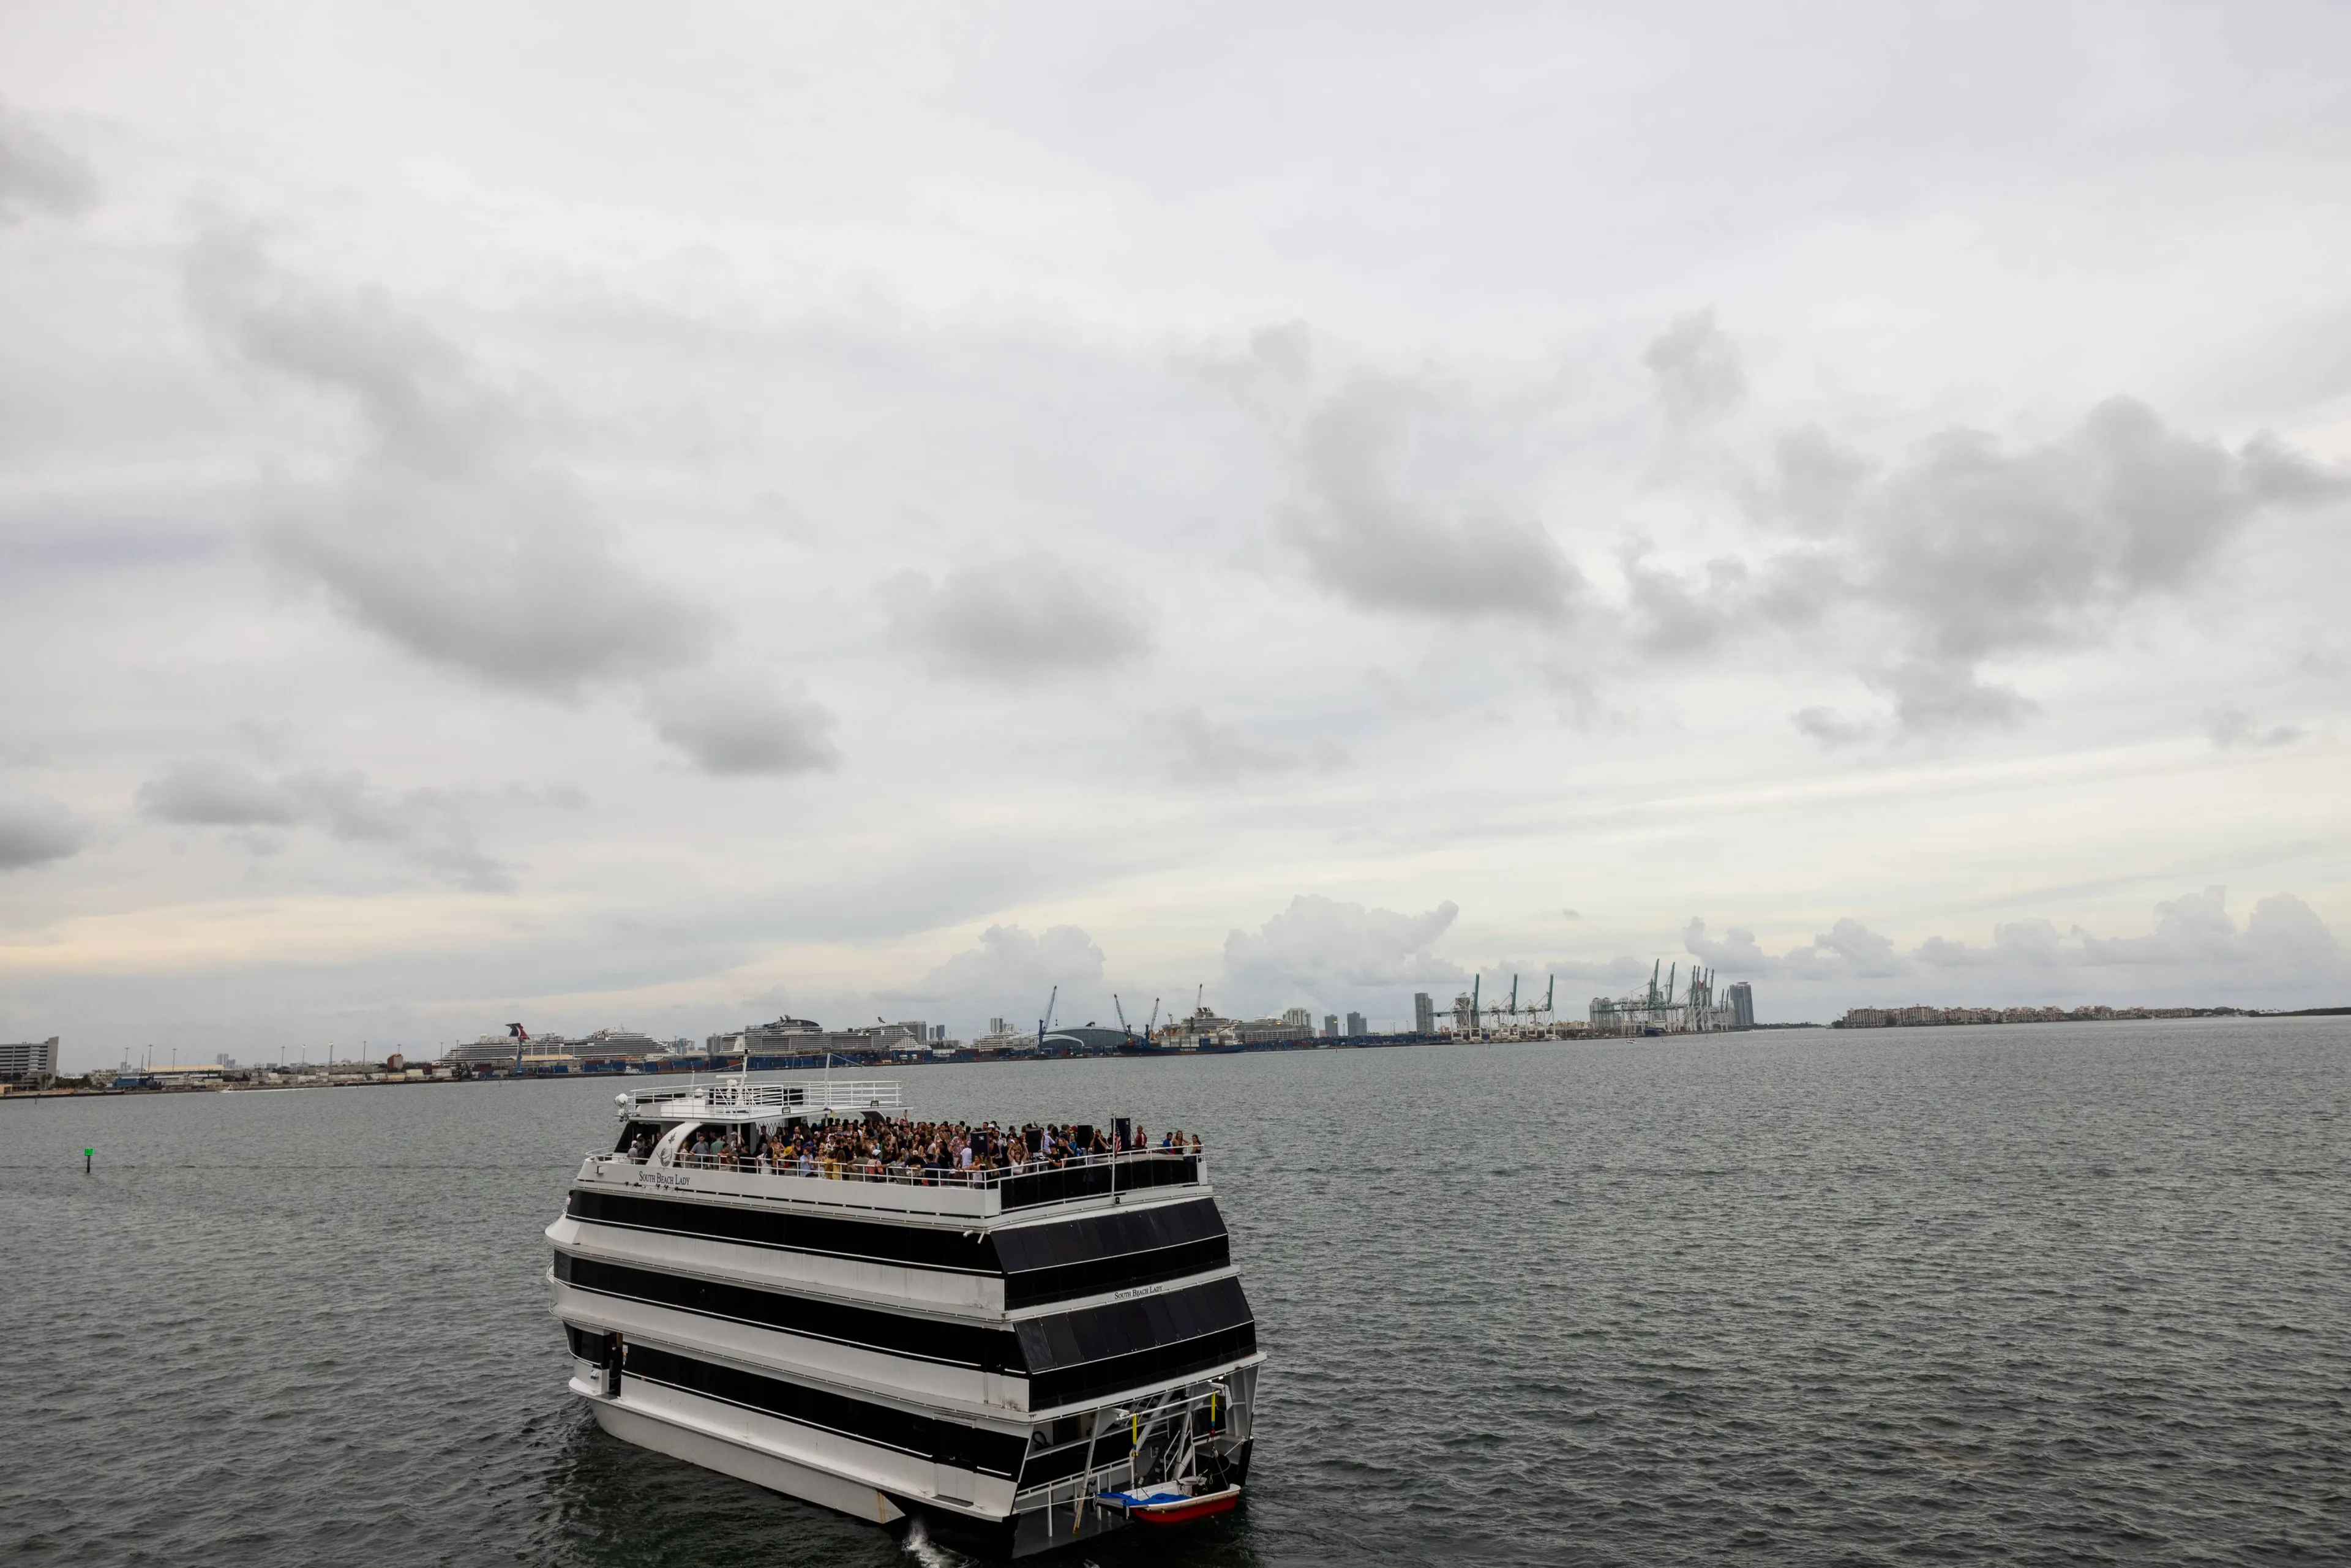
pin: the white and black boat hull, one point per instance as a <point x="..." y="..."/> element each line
<point x="988" y="1363"/>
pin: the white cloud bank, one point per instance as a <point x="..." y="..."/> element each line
<point x="2196" y="952"/>
<point x="1011" y="974"/>
<point x="1325" y="953"/>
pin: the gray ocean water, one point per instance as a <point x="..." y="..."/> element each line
<point x="2040" y="1294"/>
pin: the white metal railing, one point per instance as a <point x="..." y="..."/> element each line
<point x="831" y="1094"/>
<point x="1082" y="1487"/>
<point x="916" y="1174"/>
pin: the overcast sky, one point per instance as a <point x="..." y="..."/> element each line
<point x="608" y="516"/>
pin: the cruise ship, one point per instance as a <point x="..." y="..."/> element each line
<point x="1020" y="1344"/>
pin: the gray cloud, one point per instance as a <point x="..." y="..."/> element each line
<point x="2233" y="726"/>
<point x="443" y="537"/>
<point x="1696" y="371"/>
<point x="1373" y="545"/>
<point x="1815" y="487"/>
<point x="1970" y="550"/>
<point x="734" y="725"/>
<point x="1831" y="729"/>
<point x="448" y="536"/>
<point x="1323" y="951"/>
<point x="1016" y="619"/>
<point x="36" y="831"/>
<point x="1208" y="752"/>
<point x="38" y="175"/>
<point x="1670" y="613"/>
<point x="1973" y="551"/>
<point x="1987" y="550"/>
<point x="1930" y="697"/>
<point x="2033" y="943"/>
<point x="504" y="576"/>
<point x="430" y="828"/>
<point x="1847" y="948"/>
<point x="1366" y="539"/>
<point x="219" y="794"/>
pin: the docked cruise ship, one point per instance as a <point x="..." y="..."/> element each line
<point x="1020" y="1353"/>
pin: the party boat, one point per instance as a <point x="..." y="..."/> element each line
<point x="1018" y="1338"/>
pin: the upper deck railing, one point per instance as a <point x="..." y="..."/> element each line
<point x="868" y="1181"/>
<point x="736" y="1094"/>
<point x="872" y="1184"/>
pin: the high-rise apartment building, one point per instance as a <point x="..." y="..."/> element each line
<point x="1423" y="1013"/>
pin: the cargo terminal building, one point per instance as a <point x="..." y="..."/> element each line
<point x="28" y="1061"/>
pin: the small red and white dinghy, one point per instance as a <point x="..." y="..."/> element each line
<point x="1170" y="1503"/>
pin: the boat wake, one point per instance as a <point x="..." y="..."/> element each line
<point x="930" y="1553"/>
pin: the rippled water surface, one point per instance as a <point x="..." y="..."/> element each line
<point x="2037" y="1293"/>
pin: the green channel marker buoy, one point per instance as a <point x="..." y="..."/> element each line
<point x="85" y="1160"/>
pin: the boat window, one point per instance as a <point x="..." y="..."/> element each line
<point x="650" y="1131"/>
<point x="992" y="1349"/>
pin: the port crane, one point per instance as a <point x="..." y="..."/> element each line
<point x="1126" y="1028"/>
<point x="1533" y="1011"/>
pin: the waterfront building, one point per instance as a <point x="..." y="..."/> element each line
<point x="1086" y="1039"/>
<point x="1424" y="1014"/>
<point x="1330" y="1026"/>
<point x="1356" y="1028"/>
<point x="1742" y="997"/>
<point x="28" y="1060"/>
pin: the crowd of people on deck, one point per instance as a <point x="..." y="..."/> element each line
<point x="932" y="1153"/>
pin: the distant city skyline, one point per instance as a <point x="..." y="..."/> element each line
<point x="709" y="516"/>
